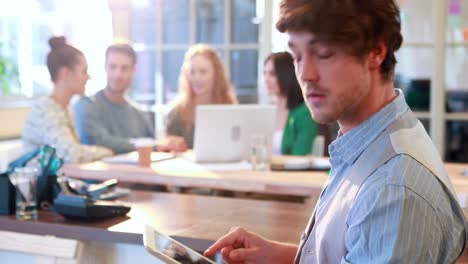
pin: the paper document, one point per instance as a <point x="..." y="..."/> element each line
<point x="300" y="163"/>
<point x="132" y="157"/>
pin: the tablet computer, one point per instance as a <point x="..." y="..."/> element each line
<point x="169" y="250"/>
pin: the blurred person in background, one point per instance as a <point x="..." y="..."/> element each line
<point x="49" y="122"/>
<point x="294" y="130"/>
<point x="202" y="80"/>
<point x="109" y="118"/>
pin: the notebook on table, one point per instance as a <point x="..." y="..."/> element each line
<point x="300" y="163"/>
<point x="132" y="157"/>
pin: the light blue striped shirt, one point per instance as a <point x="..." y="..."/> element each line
<point x="402" y="214"/>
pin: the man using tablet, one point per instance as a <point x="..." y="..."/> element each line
<point x="388" y="198"/>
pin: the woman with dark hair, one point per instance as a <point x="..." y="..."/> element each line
<point x="49" y="122"/>
<point x="294" y="130"/>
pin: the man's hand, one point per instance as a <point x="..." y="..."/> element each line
<point x="242" y="246"/>
<point x="172" y="144"/>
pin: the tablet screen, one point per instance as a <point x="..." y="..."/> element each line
<point x="181" y="254"/>
<point x="165" y="247"/>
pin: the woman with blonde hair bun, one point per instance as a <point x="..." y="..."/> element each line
<point x="202" y="80"/>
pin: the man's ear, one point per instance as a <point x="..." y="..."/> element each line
<point x="377" y="56"/>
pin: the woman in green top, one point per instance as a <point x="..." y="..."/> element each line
<point x="294" y="130"/>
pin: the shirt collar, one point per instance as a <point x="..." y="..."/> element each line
<point x="103" y="97"/>
<point x="348" y="147"/>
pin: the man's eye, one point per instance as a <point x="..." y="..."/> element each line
<point x="325" y="55"/>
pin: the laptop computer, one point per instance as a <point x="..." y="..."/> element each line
<point x="223" y="132"/>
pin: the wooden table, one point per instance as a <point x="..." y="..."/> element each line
<point x="185" y="173"/>
<point x="194" y="220"/>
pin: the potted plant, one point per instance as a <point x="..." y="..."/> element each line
<point x="8" y="74"/>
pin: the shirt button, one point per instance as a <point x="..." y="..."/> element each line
<point x="303" y="236"/>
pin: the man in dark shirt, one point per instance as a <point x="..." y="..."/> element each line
<point x="108" y="118"/>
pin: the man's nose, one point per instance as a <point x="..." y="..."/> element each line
<point x="308" y="70"/>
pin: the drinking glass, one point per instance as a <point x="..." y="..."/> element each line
<point x="24" y="179"/>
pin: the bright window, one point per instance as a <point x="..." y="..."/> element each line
<point x="24" y="33"/>
<point x="163" y="30"/>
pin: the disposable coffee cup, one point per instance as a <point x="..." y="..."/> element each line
<point x="144" y="148"/>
